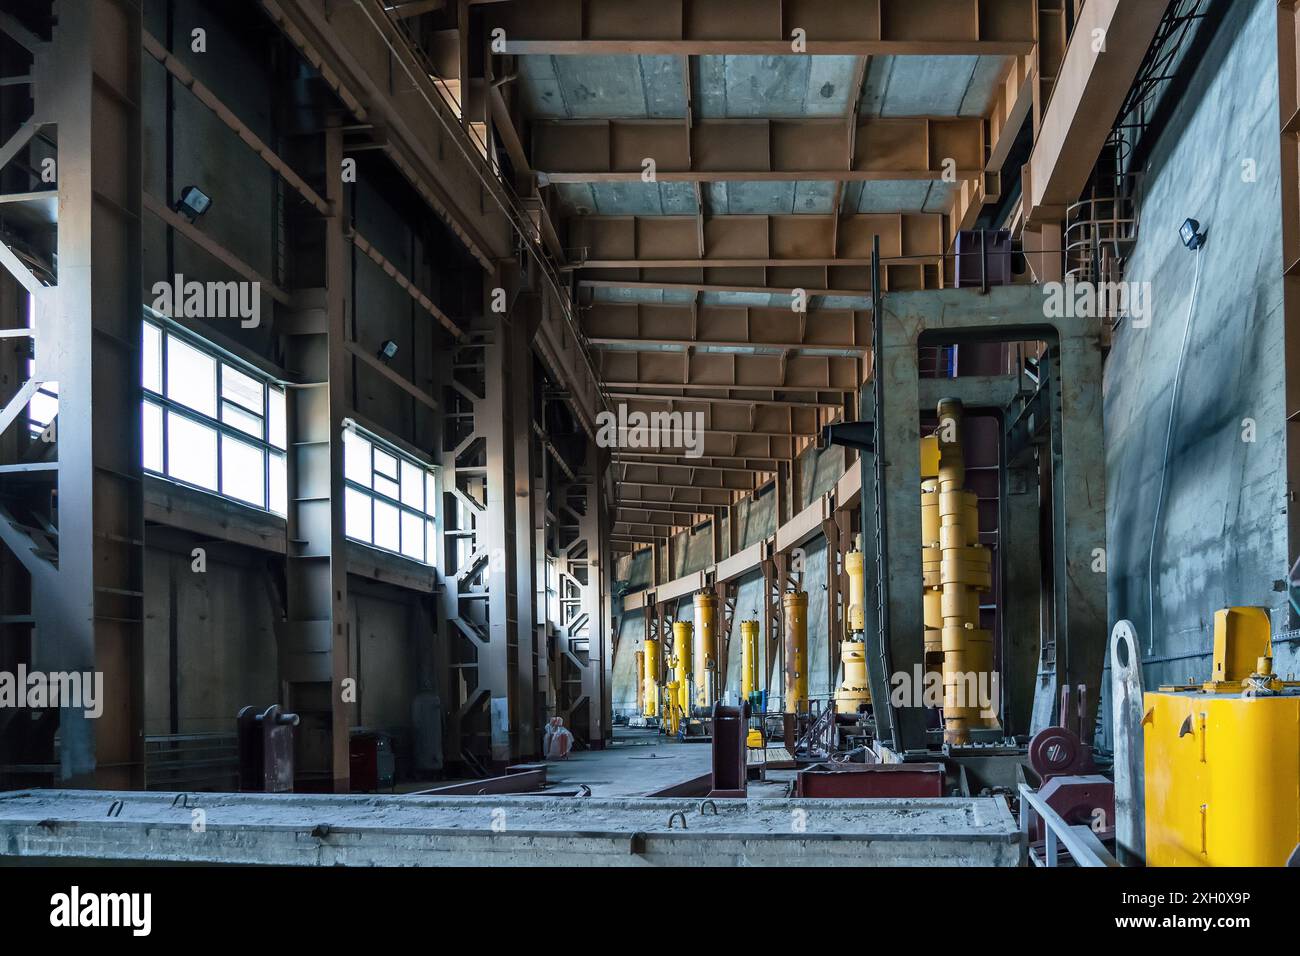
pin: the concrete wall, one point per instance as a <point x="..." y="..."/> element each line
<point x="222" y="622"/>
<point x="1221" y="539"/>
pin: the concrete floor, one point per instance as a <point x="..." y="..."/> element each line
<point x="641" y="762"/>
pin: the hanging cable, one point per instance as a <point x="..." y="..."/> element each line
<point x="1164" y="465"/>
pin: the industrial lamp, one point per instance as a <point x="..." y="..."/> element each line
<point x="1191" y="234"/>
<point x="388" y="351"/>
<point x="193" y="203"/>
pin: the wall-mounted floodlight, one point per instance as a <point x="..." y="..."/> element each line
<point x="1191" y="234"/>
<point x="388" y="351"/>
<point x="193" y="203"/>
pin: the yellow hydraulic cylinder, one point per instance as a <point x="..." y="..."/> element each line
<point x="683" y="635"/>
<point x="640" y="682"/>
<point x="794" y="604"/>
<point x="671" y="711"/>
<point x="854" y="692"/>
<point x="931" y="565"/>
<point x="1222" y="759"/>
<point x="706" y="644"/>
<point x="854" y="618"/>
<point x="964" y="572"/>
<point x="651" y="685"/>
<point x="749" y="677"/>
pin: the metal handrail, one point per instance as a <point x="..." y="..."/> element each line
<point x="1084" y="847"/>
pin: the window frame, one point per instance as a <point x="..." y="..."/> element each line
<point x="222" y="428"/>
<point x="425" y="469"/>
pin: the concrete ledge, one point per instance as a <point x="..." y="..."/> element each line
<point x="294" y="829"/>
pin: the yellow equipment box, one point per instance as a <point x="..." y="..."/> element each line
<point x="1222" y="758"/>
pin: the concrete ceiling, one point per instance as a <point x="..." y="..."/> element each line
<point x="837" y="114"/>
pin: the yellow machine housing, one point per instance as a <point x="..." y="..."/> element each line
<point x="706" y="648"/>
<point x="650" y="692"/>
<point x="794" y="604"/>
<point x="1222" y="758"/>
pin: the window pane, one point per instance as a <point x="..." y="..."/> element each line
<point x="279" y="486"/>
<point x="43" y="408"/>
<point x="152" y="349"/>
<point x="191" y="377"/>
<point x="431" y="545"/>
<point x="236" y="416"/>
<point x="386" y="530"/>
<point x="385" y="464"/>
<point x="356" y="459"/>
<point x="356" y="515"/>
<point x="275" y="420"/>
<point x="412" y="486"/>
<point x="242" y="471"/>
<point x="430" y="496"/>
<point x="153" y="437"/>
<point x="242" y="389"/>
<point x="413" y="535"/>
<point x="385" y="486"/>
<point x="192" y="452"/>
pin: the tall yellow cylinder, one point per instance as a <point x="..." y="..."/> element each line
<point x="964" y="572"/>
<point x="794" y="605"/>
<point x="854" y="617"/>
<point x="640" y="682"/>
<point x="749" y="679"/>
<point x="650" y="692"/>
<point x="854" y="692"/>
<point x="683" y="635"/>
<point x="706" y="643"/>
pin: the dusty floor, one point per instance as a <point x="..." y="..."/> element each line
<point x="641" y="762"/>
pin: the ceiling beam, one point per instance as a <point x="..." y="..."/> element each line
<point x="784" y="150"/>
<point x="652" y="325"/>
<point x="816" y="402"/>
<point x="1086" y="99"/>
<point x="810" y="241"/>
<point x="765" y="27"/>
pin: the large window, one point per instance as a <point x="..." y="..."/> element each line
<point x="388" y="496"/>
<point x="211" y="421"/>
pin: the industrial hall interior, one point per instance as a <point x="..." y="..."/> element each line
<point x="703" y="433"/>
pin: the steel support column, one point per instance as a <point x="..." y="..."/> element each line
<point x="314" y="637"/>
<point x="89" y="613"/>
<point x="582" y="646"/>
<point x="481" y="594"/>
